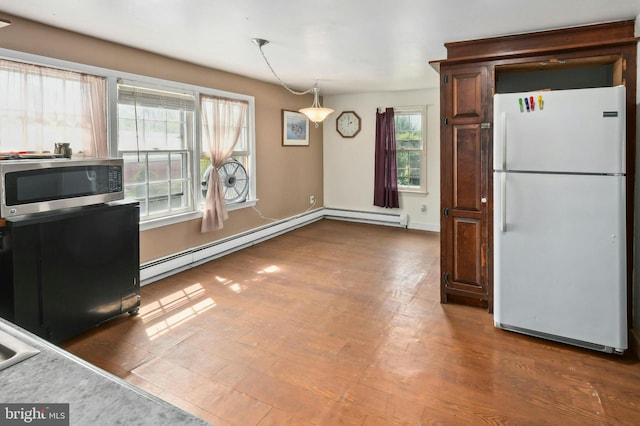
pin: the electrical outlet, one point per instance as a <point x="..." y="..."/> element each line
<point x="312" y="199"/>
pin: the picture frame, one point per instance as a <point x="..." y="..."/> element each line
<point x="295" y="128"/>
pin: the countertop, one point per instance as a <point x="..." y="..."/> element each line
<point x="95" y="397"/>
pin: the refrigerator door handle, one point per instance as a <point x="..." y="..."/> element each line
<point x="503" y="202"/>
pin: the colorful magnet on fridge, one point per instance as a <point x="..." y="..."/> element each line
<point x="526" y="103"/>
<point x="532" y="103"/>
<point x="540" y="102"/>
<point x="521" y="106"/>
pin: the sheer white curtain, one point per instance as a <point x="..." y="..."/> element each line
<point x="40" y="106"/>
<point x="222" y="121"/>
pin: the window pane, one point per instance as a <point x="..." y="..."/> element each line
<point x="134" y="171"/>
<point x="415" y="160"/>
<point x="158" y="168"/>
<point x="179" y="196"/>
<point x="157" y="127"/>
<point x="178" y="166"/>
<point x="138" y="192"/>
<point x="126" y="111"/>
<point x="402" y="167"/>
<point x="410" y="155"/>
<point x="174" y="115"/>
<point x="158" y="198"/>
<point x="155" y="136"/>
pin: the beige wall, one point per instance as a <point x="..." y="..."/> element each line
<point x="349" y="163"/>
<point x="286" y="176"/>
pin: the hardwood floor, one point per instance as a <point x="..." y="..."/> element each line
<point x="340" y="323"/>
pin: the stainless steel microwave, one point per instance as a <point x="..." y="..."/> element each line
<point x="33" y="186"/>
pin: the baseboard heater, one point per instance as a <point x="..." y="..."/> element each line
<point x="390" y="219"/>
<point x="166" y="266"/>
<point x="169" y="265"/>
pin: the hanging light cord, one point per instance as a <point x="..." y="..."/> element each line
<point x="260" y="42"/>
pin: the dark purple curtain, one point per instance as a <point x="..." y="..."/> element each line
<point x="385" y="191"/>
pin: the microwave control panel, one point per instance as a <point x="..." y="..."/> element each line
<point x="115" y="179"/>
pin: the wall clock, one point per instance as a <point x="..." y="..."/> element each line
<point x="348" y="124"/>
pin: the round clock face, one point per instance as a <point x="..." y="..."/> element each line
<point x="348" y="124"/>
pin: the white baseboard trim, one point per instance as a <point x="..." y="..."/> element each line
<point x="169" y="265"/>
<point x="424" y="226"/>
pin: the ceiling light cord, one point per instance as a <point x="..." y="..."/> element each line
<point x="273" y="71"/>
<point x="316" y="112"/>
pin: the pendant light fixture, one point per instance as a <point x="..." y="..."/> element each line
<point x="315" y="112"/>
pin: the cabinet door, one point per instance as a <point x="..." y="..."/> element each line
<point x="88" y="267"/>
<point x="466" y="107"/>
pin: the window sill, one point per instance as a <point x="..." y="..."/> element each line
<point x="184" y="217"/>
<point x="413" y="191"/>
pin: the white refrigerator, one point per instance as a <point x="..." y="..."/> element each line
<point x="559" y="216"/>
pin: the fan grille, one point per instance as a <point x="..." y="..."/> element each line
<point x="234" y="178"/>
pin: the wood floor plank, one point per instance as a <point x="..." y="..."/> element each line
<point x="341" y="323"/>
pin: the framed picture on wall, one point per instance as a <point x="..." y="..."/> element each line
<point x="295" y="129"/>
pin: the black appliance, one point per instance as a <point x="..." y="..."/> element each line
<point x="65" y="271"/>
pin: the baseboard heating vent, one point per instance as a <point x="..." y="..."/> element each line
<point x="390" y="219"/>
<point x="169" y="265"/>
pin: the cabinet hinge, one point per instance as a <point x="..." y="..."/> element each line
<point x="445" y="277"/>
<point x="445" y="122"/>
<point x="446" y="79"/>
<point x="445" y="212"/>
<point x="485" y="125"/>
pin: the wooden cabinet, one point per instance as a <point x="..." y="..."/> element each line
<point x="465" y="181"/>
<point x="467" y="84"/>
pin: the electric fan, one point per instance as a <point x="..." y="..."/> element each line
<point x="235" y="181"/>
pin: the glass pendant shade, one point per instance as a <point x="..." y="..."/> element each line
<point x="315" y="112"/>
<point x="317" y="115"/>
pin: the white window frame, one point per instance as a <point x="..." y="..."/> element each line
<point x="145" y="152"/>
<point x="112" y="77"/>
<point x="422" y="110"/>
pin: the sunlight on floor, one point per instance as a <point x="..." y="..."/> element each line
<point x="233" y="286"/>
<point x="270" y="269"/>
<point x="239" y="288"/>
<point x="236" y="287"/>
<point x="186" y="300"/>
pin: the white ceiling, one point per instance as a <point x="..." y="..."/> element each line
<point x="348" y="46"/>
